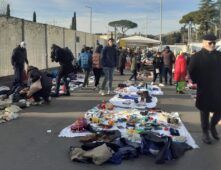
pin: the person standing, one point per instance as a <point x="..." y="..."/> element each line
<point x="157" y="68"/>
<point x="85" y="61"/>
<point x="168" y="60"/>
<point x="18" y="60"/>
<point x="133" y="65"/>
<point x="180" y="73"/>
<point x="204" y="69"/>
<point x="96" y="65"/>
<point x="109" y="62"/>
<point x="122" y="61"/>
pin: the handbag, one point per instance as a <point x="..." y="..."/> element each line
<point x="35" y="87"/>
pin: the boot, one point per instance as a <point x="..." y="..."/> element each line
<point x="206" y="138"/>
<point x="204" y="116"/>
<point x="214" y="132"/>
<point x="214" y="121"/>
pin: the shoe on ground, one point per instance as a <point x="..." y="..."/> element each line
<point x="161" y="85"/>
<point x="214" y="132"/>
<point x="206" y="138"/>
<point x="152" y="83"/>
<point x="96" y="88"/>
<point x="54" y="95"/>
<point x="180" y="92"/>
<point x="102" y="93"/>
<point x="67" y="94"/>
<point x="37" y="103"/>
<point x="109" y="92"/>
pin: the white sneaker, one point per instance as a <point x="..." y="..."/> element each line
<point x="152" y="83"/>
<point x="161" y="85"/>
<point x="102" y="93"/>
<point x="109" y="92"/>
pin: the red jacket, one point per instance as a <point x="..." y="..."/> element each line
<point x="180" y="68"/>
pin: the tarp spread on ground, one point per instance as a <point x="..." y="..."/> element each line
<point x="130" y="124"/>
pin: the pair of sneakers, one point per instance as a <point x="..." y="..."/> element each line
<point x="102" y="92"/>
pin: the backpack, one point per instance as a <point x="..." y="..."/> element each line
<point x="85" y="59"/>
<point x="96" y="62"/>
<point x="69" y="57"/>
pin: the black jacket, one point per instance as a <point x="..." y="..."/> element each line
<point x="19" y="57"/>
<point x="122" y="59"/>
<point x="205" y="70"/>
<point x="109" y="57"/>
<point x="158" y="62"/>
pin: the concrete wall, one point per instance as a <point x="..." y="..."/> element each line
<point x="35" y="38"/>
<point x="39" y="38"/>
<point x="10" y="37"/>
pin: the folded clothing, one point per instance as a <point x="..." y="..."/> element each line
<point x="98" y="155"/>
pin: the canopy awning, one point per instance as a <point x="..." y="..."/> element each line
<point x="140" y="40"/>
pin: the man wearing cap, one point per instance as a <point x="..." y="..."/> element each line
<point x="18" y="60"/>
<point x="168" y="60"/>
<point x="205" y="70"/>
<point x="109" y="62"/>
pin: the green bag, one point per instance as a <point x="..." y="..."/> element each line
<point x="181" y="86"/>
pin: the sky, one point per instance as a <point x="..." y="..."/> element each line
<point x="146" y="13"/>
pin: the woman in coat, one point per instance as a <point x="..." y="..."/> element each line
<point x="96" y="65"/>
<point x="180" y="73"/>
<point x="133" y="66"/>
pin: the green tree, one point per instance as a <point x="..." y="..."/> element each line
<point x="8" y="11"/>
<point x="204" y="19"/>
<point x="74" y="22"/>
<point x="34" y="17"/>
<point x="123" y="25"/>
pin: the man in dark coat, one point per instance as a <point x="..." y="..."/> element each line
<point x="18" y="60"/>
<point x="65" y="57"/>
<point x="122" y="60"/>
<point x="205" y="71"/>
<point x="109" y="62"/>
<point x="168" y="60"/>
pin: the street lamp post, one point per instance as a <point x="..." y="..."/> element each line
<point x="90" y="18"/>
<point x="161" y="22"/>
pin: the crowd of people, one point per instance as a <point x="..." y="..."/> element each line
<point x="202" y="68"/>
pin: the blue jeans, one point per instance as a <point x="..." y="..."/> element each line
<point x="108" y="77"/>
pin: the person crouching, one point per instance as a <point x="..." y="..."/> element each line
<point x="40" y="85"/>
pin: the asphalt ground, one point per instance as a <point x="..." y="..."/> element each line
<point x="26" y="145"/>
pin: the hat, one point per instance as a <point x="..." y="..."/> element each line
<point x="209" y="37"/>
<point x="23" y="44"/>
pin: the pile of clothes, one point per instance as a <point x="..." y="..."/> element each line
<point x="9" y="112"/>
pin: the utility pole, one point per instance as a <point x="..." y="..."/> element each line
<point x="147" y="26"/>
<point x="161" y="23"/>
<point x="90" y="18"/>
<point x="220" y="20"/>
